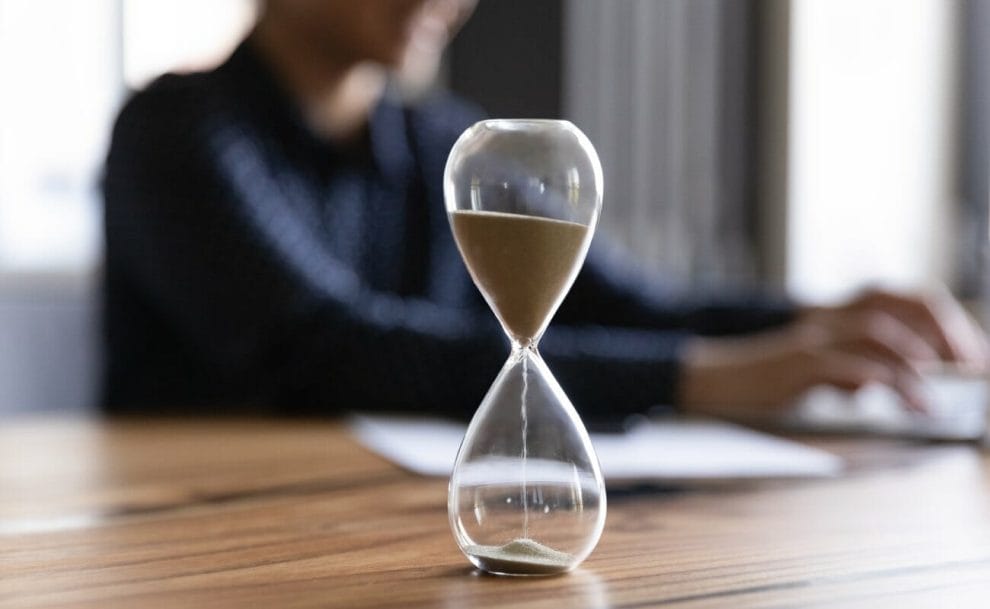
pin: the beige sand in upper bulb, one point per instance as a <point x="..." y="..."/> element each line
<point x="523" y="265"/>
<point x="521" y="557"/>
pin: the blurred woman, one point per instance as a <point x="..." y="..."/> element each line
<point x="277" y="241"/>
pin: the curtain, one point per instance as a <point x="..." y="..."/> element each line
<point x="665" y="91"/>
<point x="974" y="246"/>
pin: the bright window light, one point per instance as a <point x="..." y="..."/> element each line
<point x="65" y="66"/>
<point x="871" y="194"/>
<point x="180" y="35"/>
<point x="60" y="88"/>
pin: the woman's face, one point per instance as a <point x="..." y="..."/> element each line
<point x="405" y="35"/>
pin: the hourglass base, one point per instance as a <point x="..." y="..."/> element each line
<point x="522" y="557"/>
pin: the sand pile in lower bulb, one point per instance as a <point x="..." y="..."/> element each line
<point x="521" y="556"/>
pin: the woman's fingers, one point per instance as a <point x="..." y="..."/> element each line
<point x="856" y="348"/>
<point x="967" y="340"/>
<point x="851" y="371"/>
<point x="940" y="320"/>
<point x="872" y="334"/>
<point x="885" y="337"/>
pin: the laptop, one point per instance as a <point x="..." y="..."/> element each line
<point x="958" y="410"/>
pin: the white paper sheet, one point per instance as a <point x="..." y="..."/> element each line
<point x="655" y="451"/>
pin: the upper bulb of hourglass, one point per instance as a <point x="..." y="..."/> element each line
<point x="526" y="495"/>
<point x="523" y="198"/>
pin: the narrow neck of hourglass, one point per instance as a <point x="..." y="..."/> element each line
<point x="530" y="346"/>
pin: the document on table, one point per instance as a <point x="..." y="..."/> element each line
<point x="658" y="450"/>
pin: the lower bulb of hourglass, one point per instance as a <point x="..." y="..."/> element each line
<point x="526" y="495"/>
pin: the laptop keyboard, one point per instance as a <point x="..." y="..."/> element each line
<point x="958" y="408"/>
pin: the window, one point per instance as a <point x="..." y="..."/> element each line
<point x="65" y="67"/>
<point x="180" y="35"/>
<point x="57" y="66"/>
<point x="872" y="190"/>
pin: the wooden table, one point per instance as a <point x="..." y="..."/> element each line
<point x="295" y="514"/>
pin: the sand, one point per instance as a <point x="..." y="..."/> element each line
<point x="521" y="557"/>
<point x="523" y="265"/>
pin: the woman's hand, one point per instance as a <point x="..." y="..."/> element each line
<point x="878" y="337"/>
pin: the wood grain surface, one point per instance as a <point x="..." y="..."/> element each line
<point x="296" y="514"/>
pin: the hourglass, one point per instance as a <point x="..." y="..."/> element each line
<point x="526" y="494"/>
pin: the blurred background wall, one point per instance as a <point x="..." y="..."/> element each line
<point x="799" y="145"/>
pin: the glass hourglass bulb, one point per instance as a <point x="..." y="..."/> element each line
<point x="526" y="494"/>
